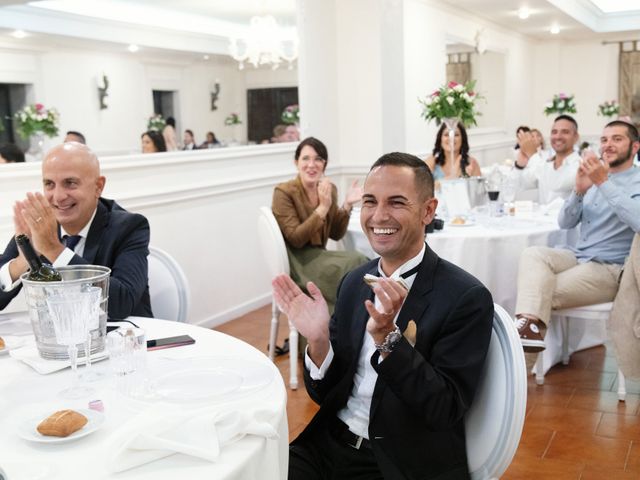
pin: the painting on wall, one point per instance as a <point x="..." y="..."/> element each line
<point x="629" y="87"/>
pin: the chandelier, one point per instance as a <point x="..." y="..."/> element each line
<point x="264" y="44"/>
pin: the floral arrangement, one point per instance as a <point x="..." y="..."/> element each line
<point x="560" y="104"/>
<point x="291" y="115"/>
<point x="609" y="109"/>
<point x="35" y="118"/>
<point x="232" y="119"/>
<point x="452" y="100"/>
<point x="156" y="122"/>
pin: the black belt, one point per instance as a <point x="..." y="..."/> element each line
<point x="342" y="434"/>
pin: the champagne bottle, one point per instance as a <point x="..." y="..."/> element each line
<point x="39" y="271"/>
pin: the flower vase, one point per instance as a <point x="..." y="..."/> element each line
<point x="452" y="125"/>
<point x="36" y="148"/>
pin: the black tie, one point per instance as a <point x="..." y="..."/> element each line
<point x="411" y="272"/>
<point x="70" y="241"/>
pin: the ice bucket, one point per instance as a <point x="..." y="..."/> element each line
<point x="74" y="278"/>
<point x="476" y="186"/>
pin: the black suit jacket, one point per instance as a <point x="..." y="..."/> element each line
<point x="119" y="240"/>
<point x="416" y="422"/>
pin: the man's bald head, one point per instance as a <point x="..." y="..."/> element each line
<point x="72" y="184"/>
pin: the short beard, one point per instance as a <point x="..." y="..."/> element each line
<point x="621" y="159"/>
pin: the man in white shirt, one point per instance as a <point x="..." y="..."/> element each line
<point x="396" y="367"/>
<point x="70" y="223"/>
<point x="554" y="177"/>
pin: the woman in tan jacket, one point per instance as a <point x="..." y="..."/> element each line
<point x="307" y="211"/>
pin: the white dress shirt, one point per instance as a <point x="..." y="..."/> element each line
<point x="551" y="182"/>
<point x="64" y="258"/>
<point x="356" y="412"/>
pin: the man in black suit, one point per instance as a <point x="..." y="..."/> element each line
<point x="72" y="224"/>
<point x="394" y="369"/>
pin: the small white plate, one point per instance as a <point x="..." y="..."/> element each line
<point x="11" y="342"/>
<point x="27" y="429"/>
<point x="467" y="223"/>
<point x="197" y="385"/>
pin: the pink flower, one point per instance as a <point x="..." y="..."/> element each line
<point x="562" y="95"/>
<point x="39" y="107"/>
<point x="436" y="93"/>
<point x="452" y="84"/>
<point x="471" y="93"/>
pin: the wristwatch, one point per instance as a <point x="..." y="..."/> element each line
<point x="390" y="341"/>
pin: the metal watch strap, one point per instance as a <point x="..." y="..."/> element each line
<point x="390" y="341"/>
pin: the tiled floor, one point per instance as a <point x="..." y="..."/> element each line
<point x="575" y="428"/>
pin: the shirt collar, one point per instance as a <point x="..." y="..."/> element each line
<point x="85" y="230"/>
<point x="405" y="267"/>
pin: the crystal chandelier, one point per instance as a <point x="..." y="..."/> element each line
<point x="264" y="44"/>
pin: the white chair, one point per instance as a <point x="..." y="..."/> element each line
<point x="168" y="287"/>
<point x="598" y="312"/>
<point x="275" y="254"/>
<point x="494" y="423"/>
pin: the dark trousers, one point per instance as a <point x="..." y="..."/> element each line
<point x="324" y="456"/>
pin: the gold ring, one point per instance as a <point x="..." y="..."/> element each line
<point x="38" y="220"/>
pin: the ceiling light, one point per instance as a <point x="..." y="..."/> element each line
<point x="555" y="29"/>
<point x="524" y="13"/>
<point x="265" y="43"/>
<point x="205" y="57"/>
<point x="19" y="34"/>
<point x="133" y="48"/>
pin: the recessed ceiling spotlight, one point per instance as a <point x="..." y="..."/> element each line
<point x="524" y="13"/>
<point x="205" y="57"/>
<point x="133" y="48"/>
<point x="555" y="29"/>
<point x="19" y="34"/>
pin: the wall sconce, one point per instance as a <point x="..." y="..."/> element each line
<point x="103" y="86"/>
<point x="214" y="95"/>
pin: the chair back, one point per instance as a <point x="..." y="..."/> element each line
<point x="168" y="287"/>
<point x="494" y="422"/>
<point x="272" y="243"/>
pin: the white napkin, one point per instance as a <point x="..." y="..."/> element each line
<point x="553" y="207"/>
<point x="164" y="430"/>
<point x="30" y="356"/>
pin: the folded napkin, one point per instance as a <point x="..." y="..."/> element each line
<point x="29" y="355"/>
<point x="164" y="430"/>
<point x="553" y="207"/>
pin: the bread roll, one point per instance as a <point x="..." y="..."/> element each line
<point x="1" y="344"/>
<point x="62" y="423"/>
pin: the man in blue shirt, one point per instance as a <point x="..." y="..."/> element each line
<point x="606" y="204"/>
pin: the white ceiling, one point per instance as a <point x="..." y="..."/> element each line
<point x="198" y="27"/>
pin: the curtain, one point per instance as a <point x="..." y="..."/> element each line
<point x="629" y="88"/>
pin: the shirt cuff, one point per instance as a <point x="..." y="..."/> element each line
<point x="64" y="258"/>
<point x="6" y="285"/>
<point x="315" y="372"/>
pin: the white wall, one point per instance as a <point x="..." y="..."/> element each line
<point x="587" y="69"/>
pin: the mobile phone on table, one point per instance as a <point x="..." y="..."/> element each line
<point x="169" y="342"/>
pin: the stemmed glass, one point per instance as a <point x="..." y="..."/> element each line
<point x="93" y="323"/>
<point x="70" y="312"/>
<point x="508" y="192"/>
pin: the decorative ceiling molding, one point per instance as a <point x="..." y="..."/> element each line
<point x="592" y="17"/>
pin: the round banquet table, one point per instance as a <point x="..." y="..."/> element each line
<point x="489" y="249"/>
<point x="24" y="391"/>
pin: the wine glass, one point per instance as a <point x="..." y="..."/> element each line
<point x="508" y="192"/>
<point x="70" y="312"/>
<point x="93" y="323"/>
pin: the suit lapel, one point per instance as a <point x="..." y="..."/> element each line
<point x="96" y="230"/>
<point x="361" y="316"/>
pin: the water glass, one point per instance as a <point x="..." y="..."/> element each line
<point x="93" y="324"/>
<point x="128" y="358"/>
<point x="70" y="313"/>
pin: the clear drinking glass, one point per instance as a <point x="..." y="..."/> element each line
<point x="70" y="314"/>
<point x="508" y="193"/>
<point x="93" y="323"/>
<point x="128" y="358"/>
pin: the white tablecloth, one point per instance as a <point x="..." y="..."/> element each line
<point x="22" y="390"/>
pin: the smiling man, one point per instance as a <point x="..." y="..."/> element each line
<point x="394" y="371"/>
<point x="72" y="224"/>
<point x="554" y="177"/>
<point x="606" y="203"/>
